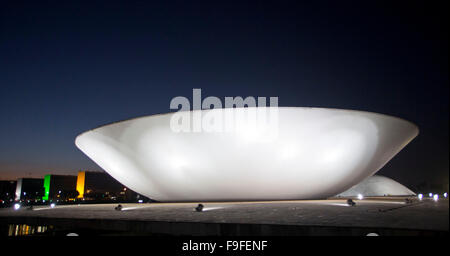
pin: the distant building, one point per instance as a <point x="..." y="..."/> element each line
<point x="7" y="191"/>
<point x="29" y="189"/>
<point x="101" y="186"/>
<point x="61" y="187"/>
<point x="377" y="185"/>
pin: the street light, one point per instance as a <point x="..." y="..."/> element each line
<point x="436" y="197"/>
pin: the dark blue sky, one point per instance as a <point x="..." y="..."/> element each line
<point x="66" y="68"/>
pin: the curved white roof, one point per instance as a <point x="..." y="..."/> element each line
<point x="377" y="186"/>
<point x="316" y="153"/>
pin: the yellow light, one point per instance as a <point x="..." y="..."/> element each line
<point x="80" y="183"/>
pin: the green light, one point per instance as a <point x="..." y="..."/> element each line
<point x="46" y="187"/>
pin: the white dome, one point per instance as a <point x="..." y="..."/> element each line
<point x="377" y="186"/>
<point x="316" y="153"/>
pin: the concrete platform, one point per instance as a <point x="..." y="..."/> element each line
<point x="385" y="216"/>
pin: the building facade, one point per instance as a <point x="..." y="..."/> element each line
<point x="100" y="186"/>
<point x="29" y="189"/>
<point x="60" y="187"/>
<point x="7" y="191"/>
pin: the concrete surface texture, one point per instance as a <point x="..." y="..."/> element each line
<point x="391" y="213"/>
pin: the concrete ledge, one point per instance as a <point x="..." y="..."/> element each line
<point x="61" y="226"/>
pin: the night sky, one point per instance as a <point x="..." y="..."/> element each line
<point x="67" y="68"/>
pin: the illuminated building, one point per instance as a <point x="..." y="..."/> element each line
<point x="377" y="186"/>
<point x="59" y="187"/>
<point x="29" y="188"/>
<point x="80" y="183"/>
<point x="101" y="186"/>
<point x="316" y="153"/>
